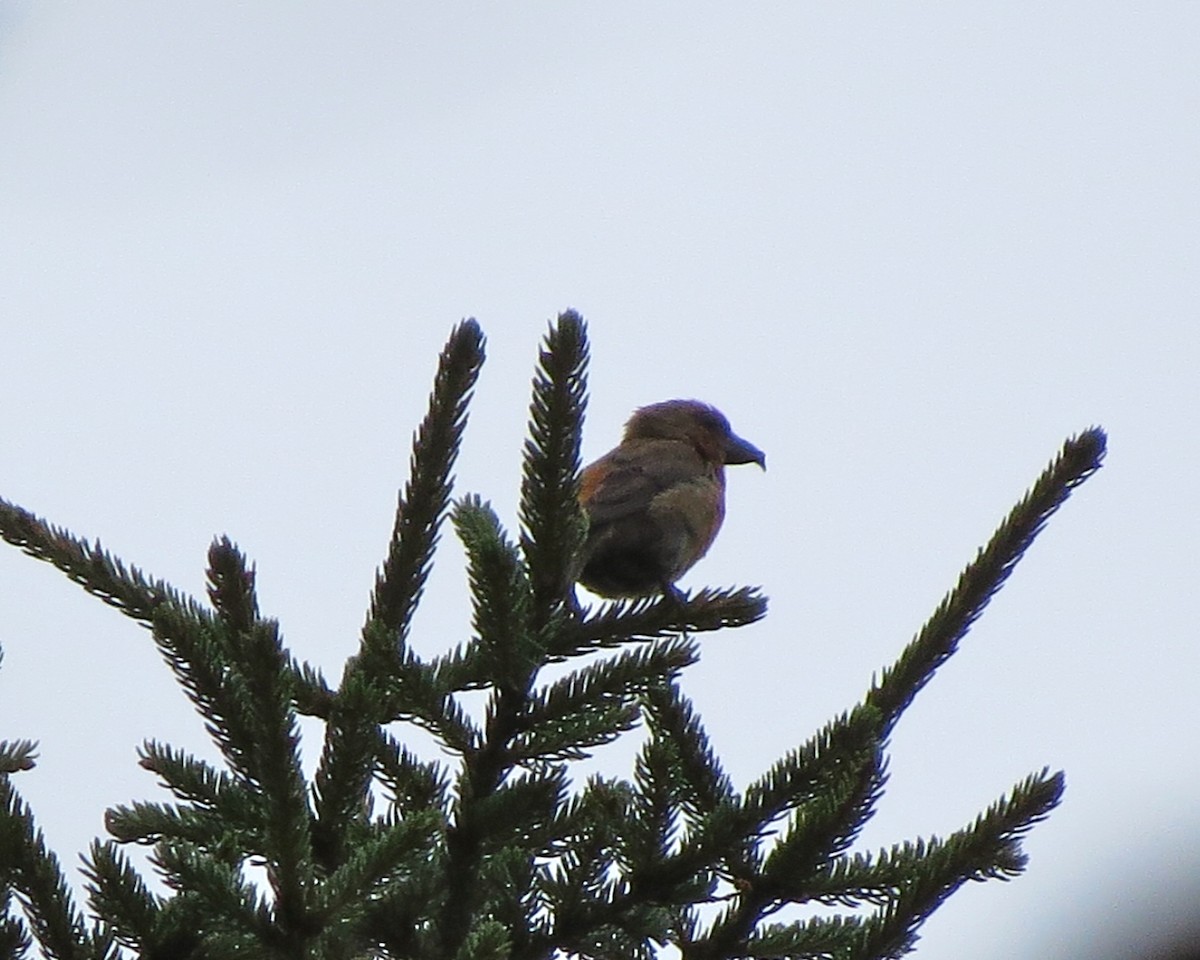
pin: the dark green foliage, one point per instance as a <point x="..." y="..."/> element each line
<point x="490" y="849"/>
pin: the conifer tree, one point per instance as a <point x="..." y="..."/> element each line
<point x="490" y="850"/>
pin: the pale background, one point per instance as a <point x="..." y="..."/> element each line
<point x="907" y="248"/>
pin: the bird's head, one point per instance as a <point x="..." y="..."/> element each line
<point x="697" y="423"/>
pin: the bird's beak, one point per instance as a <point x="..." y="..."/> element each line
<point x="738" y="450"/>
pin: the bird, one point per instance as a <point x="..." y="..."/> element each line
<point x="655" y="502"/>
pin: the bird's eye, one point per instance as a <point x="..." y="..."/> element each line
<point x="714" y="421"/>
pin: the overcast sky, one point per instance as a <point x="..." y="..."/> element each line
<point x="907" y="248"/>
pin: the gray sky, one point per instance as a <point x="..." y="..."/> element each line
<point x="908" y="249"/>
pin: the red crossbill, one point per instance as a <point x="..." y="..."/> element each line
<point x="655" y="502"/>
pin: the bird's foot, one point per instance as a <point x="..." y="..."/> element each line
<point x="672" y="594"/>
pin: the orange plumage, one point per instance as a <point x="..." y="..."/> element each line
<point x="656" y="501"/>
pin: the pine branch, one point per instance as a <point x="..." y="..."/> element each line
<point x="17" y="755"/>
<point x="117" y="892"/>
<point x="196" y="645"/>
<point x="192" y="779"/>
<point x="989" y="848"/>
<point x="260" y="682"/>
<point x="585" y="838"/>
<point x="414" y="785"/>
<point x="426" y="496"/>
<point x="397" y="916"/>
<point x="508" y="878"/>
<point x="582" y="889"/>
<point x="1080" y="457"/>
<point x="342" y="780"/>
<point x="484" y="810"/>
<point x="612" y="625"/>
<point x="149" y="823"/>
<point x="223" y="814"/>
<point x="487" y="940"/>
<point x="864" y="878"/>
<point x="502" y="598"/>
<point x="384" y="665"/>
<point x="194" y="648"/>
<point x="796" y="855"/>
<point x="88" y="565"/>
<point x="653" y="828"/>
<point x="418" y="697"/>
<point x="800" y="775"/>
<point x="706" y="797"/>
<point x="553" y="525"/>
<point x="594" y="705"/>
<point x="392" y="853"/>
<point x="663" y="868"/>
<point x="313" y="695"/>
<point x="35" y="873"/>
<point x="646" y="619"/>
<point x="704" y="785"/>
<point x="522" y="811"/>
<point x="229" y="911"/>
<point x="823" y="828"/>
<point x="231" y="589"/>
<point x="837" y="936"/>
<point x="463" y="668"/>
<point x="15" y="940"/>
<point x="511" y="645"/>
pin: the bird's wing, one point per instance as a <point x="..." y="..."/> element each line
<point x="625" y="480"/>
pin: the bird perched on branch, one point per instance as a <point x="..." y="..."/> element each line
<point x="656" y="501"/>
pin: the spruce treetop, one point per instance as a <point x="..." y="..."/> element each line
<point x="491" y="850"/>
